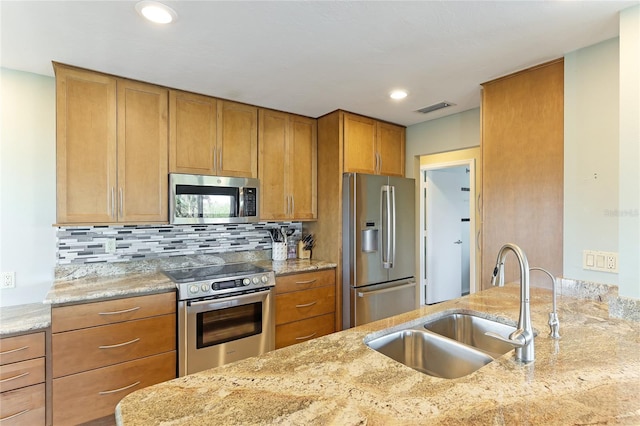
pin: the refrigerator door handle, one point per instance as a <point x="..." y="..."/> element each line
<point x="392" y="221"/>
<point x="387" y="231"/>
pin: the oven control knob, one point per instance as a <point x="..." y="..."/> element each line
<point x="255" y="280"/>
<point x="204" y="287"/>
<point x="193" y="289"/>
<point x="264" y="279"/>
<point x="246" y="281"/>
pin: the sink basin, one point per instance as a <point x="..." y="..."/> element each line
<point x="469" y="329"/>
<point x="430" y="353"/>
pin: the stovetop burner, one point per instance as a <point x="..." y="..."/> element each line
<point x="201" y="273"/>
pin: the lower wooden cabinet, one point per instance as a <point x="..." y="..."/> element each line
<point x="305" y="306"/>
<point x="103" y="351"/>
<point x="94" y="394"/>
<point x="24" y="406"/>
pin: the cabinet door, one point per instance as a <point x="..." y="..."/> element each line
<point x="522" y="169"/>
<point x="359" y="144"/>
<point x="273" y="170"/>
<point x="192" y="133"/>
<point x="391" y="142"/>
<point x="303" y="167"/>
<point x="237" y="148"/>
<point x="142" y="152"/>
<point x="85" y="147"/>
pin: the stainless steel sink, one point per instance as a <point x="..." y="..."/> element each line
<point x="470" y="330"/>
<point x="447" y="345"/>
<point x="430" y="353"/>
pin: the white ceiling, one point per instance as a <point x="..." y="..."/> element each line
<point x="310" y="57"/>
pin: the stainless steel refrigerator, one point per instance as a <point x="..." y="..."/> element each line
<point x="378" y="248"/>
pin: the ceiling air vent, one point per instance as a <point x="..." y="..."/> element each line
<point x="435" y="107"/>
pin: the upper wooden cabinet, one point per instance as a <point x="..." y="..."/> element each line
<point x="212" y="137"/>
<point x="373" y="147"/>
<point x="287" y="169"/>
<point x="108" y="172"/>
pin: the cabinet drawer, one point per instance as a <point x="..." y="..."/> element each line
<point x="73" y="317"/>
<point x="19" y="348"/>
<point x="21" y="374"/>
<point x="80" y="350"/>
<point x="300" y="305"/>
<point x="301" y="331"/>
<point x="305" y="281"/>
<point x="94" y="394"/>
<point x="23" y="406"/>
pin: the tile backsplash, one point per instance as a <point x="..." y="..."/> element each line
<point x="88" y="244"/>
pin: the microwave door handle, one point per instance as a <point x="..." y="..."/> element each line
<point x="240" y="203"/>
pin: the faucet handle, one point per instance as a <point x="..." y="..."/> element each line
<point x="519" y="343"/>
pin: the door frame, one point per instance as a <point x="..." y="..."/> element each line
<point x="470" y="163"/>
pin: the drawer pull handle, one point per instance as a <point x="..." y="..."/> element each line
<point x="306" y="282"/>
<point x="14" y="350"/>
<point x="306" y="337"/>
<point x="119" y="344"/>
<point x="13" y="416"/>
<point x="119" y="312"/>
<point x="306" y="304"/>
<point x="119" y="390"/>
<point x="8" y="379"/>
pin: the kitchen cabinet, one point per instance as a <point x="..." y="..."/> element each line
<point x="111" y="149"/>
<point x="22" y="380"/>
<point x="372" y="146"/>
<point x="522" y="168"/>
<point x="102" y="351"/>
<point x="305" y="306"/>
<point x="287" y="166"/>
<point x="211" y="136"/>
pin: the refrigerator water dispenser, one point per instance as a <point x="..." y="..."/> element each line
<point x="370" y="238"/>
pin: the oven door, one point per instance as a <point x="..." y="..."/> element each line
<point x="225" y="330"/>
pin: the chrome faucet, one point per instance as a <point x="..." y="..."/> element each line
<point x="554" y="323"/>
<point x="522" y="338"/>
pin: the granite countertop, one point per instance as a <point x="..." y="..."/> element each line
<point x="23" y="319"/>
<point x="591" y="375"/>
<point x="109" y="285"/>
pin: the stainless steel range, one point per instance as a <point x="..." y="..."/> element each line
<point x="225" y="313"/>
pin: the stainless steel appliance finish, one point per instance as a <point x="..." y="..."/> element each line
<point x="378" y="247"/>
<point x="213" y="199"/>
<point x="225" y="313"/>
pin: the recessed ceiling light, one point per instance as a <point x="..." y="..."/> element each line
<point x="156" y="12"/>
<point x="398" y="94"/>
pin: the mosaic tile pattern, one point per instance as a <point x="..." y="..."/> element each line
<point x="87" y="244"/>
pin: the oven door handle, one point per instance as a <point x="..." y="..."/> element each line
<point x="228" y="302"/>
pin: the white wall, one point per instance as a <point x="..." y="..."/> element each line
<point x="27" y="184"/>
<point x="629" y="235"/>
<point x="449" y="133"/>
<point x="590" y="157"/>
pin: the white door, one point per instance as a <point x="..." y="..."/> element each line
<point x="443" y="236"/>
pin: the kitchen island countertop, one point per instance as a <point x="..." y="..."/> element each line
<point x="591" y="375"/>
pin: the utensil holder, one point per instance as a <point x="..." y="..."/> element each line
<point x="279" y="251"/>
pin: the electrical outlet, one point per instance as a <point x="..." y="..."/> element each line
<point x="8" y="280"/>
<point x="110" y="245"/>
<point x="612" y="262"/>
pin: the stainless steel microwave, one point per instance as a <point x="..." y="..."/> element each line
<point x="212" y="199"/>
